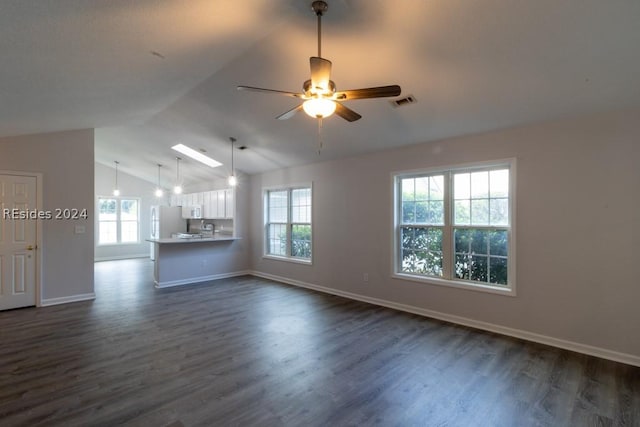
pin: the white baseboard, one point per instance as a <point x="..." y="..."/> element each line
<point x="65" y="300"/>
<point x="603" y="353"/>
<point x="192" y="280"/>
<point x="120" y="257"/>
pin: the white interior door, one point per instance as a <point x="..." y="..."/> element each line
<point x="17" y="241"/>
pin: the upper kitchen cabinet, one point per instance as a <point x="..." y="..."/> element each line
<point x="216" y="204"/>
<point x="229" y="203"/>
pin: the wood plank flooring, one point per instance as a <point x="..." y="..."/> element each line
<point x="252" y="352"/>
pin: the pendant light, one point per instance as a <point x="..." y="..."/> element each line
<point x="116" y="190"/>
<point x="178" y="188"/>
<point x="159" y="191"/>
<point x="233" y="181"/>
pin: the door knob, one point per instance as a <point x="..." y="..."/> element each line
<point x="29" y="248"/>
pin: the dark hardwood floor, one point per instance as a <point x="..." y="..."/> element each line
<point x="251" y="352"/>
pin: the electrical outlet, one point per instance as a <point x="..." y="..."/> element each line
<point x="365" y="277"/>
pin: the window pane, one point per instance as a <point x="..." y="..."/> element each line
<point x="422" y="188"/>
<point x="479" y="241"/>
<point x="436" y="187"/>
<point x="421" y="212"/>
<point x="462" y="215"/>
<point x="461" y="186"/>
<point x="435" y="213"/>
<point x="129" y="210"/>
<point x="434" y="239"/>
<point x="463" y="262"/>
<point x="498" y="270"/>
<point x="107" y="210"/>
<point x="498" y="242"/>
<point x="301" y="205"/>
<point x="462" y="239"/>
<point x="478" y="269"/>
<point x="479" y="185"/>
<point x="421" y="250"/>
<point x="278" y="206"/>
<point x="408" y="189"/>
<point x="480" y="212"/>
<point x="499" y="212"/>
<point x="277" y="239"/>
<point x="499" y="180"/>
<point x="107" y="232"/>
<point x="129" y="231"/>
<point x="409" y="212"/>
<point x="301" y="241"/>
<point x="478" y="252"/>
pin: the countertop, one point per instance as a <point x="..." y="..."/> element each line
<point x="172" y="240"/>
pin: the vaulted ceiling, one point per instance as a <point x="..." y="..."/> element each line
<point x="148" y="74"/>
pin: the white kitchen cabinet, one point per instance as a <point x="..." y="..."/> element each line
<point x="220" y="209"/>
<point x="206" y="204"/>
<point x="229" y="204"/>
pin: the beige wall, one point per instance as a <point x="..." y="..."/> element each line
<point x="578" y="228"/>
<point x="65" y="159"/>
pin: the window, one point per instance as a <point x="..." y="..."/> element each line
<point x="288" y="223"/>
<point x="118" y="221"/>
<point x="455" y="226"/>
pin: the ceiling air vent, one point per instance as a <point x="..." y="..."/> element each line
<point x="401" y="102"/>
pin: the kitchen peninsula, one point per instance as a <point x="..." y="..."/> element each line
<point x="180" y="261"/>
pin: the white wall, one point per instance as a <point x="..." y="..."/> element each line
<point x="66" y="161"/>
<point x="130" y="186"/>
<point x="578" y="229"/>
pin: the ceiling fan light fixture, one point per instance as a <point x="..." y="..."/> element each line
<point x="319" y="107"/>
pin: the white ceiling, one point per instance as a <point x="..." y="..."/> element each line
<point x="473" y="66"/>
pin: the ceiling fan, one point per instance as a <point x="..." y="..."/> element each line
<point x="321" y="99"/>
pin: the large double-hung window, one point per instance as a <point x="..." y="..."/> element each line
<point x="288" y="223"/>
<point x="454" y="226"/>
<point x="118" y="220"/>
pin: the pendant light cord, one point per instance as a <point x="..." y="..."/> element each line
<point x="233" y="172"/>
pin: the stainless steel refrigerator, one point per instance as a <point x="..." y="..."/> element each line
<point x="165" y="220"/>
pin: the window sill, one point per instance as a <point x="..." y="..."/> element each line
<point x="287" y="259"/>
<point x="118" y="244"/>
<point x="477" y="287"/>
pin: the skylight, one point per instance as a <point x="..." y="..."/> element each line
<point x="196" y="155"/>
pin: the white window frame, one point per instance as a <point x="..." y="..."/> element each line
<point x="265" y="234"/>
<point x="449" y="279"/>
<point x="118" y="220"/>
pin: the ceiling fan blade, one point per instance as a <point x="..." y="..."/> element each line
<point x="370" y="92"/>
<point x="290" y="113"/>
<point x="277" y="92"/>
<point x="347" y="113"/>
<point x="320" y="73"/>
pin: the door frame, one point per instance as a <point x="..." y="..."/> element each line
<point x="39" y="228"/>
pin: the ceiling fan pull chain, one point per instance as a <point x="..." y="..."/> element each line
<point x="320" y="142"/>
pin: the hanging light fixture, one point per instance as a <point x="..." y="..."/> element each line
<point x="233" y="181"/>
<point x="319" y="108"/>
<point x="159" y="191"/>
<point x="178" y="188"/>
<point x="116" y="190"/>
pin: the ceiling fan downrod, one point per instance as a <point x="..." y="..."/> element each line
<point x="319" y="7"/>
